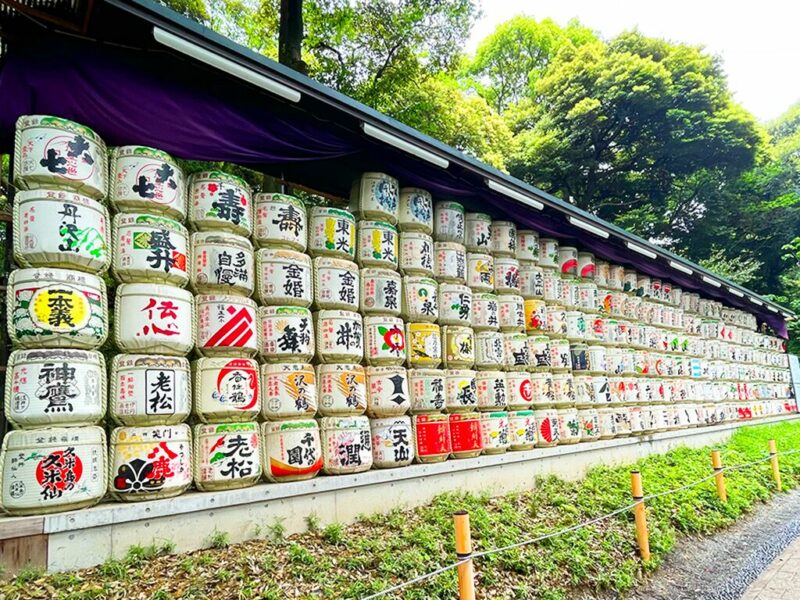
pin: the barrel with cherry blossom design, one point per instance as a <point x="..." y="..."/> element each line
<point x="385" y="340"/>
<point x="346" y="445"/>
<point x="220" y="201"/>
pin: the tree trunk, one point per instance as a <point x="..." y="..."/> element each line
<point x="290" y="37"/>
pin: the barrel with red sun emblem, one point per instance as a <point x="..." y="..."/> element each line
<point x="147" y="180"/>
<point x="226" y="389"/>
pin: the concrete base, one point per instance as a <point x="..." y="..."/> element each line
<point x="88" y="537"/>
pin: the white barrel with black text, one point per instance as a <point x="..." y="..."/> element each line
<point x="148" y="389"/>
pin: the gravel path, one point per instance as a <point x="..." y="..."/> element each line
<point x="721" y="566"/>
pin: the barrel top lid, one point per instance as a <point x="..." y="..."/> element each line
<point x="27" y="121"/>
<point x="144" y="151"/>
<point x="216" y="175"/>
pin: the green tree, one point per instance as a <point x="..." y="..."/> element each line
<point x="194" y="9"/>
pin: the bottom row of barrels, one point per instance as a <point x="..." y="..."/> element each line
<point x="51" y="470"/>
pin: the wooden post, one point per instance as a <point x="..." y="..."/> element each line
<point x="642" y="536"/>
<point x="776" y="472"/>
<point x="716" y="462"/>
<point x="466" y="575"/>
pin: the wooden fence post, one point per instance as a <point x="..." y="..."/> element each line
<point x="716" y="462"/>
<point x="642" y="536"/>
<point x="466" y="574"/>
<point x="773" y="458"/>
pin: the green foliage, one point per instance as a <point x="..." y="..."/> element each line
<point x="219" y="539"/>
<point x="333" y="533"/>
<point x="193" y="9"/>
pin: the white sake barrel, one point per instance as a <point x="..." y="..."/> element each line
<point x="289" y="391"/>
<point x="602" y="272"/>
<point x="147" y="180"/>
<point x="551" y="286"/>
<point x="563" y="389"/>
<point x="460" y="390"/>
<point x="480" y="272"/>
<point x="485" y="312"/>
<point x="416" y="210"/>
<point x="150" y="249"/>
<point x="576" y="325"/>
<point x="466" y="439"/>
<point x="506" y="275"/>
<point x="148" y="389"/>
<point x="336" y="284"/>
<point x="542" y="389"/>
<point x="548" y="253"/>
<point x="478" y="232"/>
<point x="287" y="333"/>
<point x="597" y="360"/>
<point x="546" y="427"/>
<point x="582" y="384"/>
<point x="227" y="456"/>
<point x="522" y="429"/>
<point x="527" y="246"/>
<point x="560" y="356"/>
<point x="637" y="427"/>
<point x="431" y="438"/>
<point x="226" y="390"/>
<point x="458" y="346"/>
<point x="491" y="390"/>
<point x="223" y="263"/>
<point x="495" y="432"/>
<point x="416" y="253"/>
<point x="427" y="390"/>
<point x="385" y="341"/>
<point x="220" y="201"/>
<point x="630" y="279"/>
<point x="158" y="318"/>
<point x="56" y="308"/>
<point x="504" y="238"/>
<point x="586" y="265"/>
<point x="51" y="152"/>
<point x="147" y="463"/>
<point x="284" y="277"/>
<point x="346" y="445"/>
<point x="622" y="421"/>
<point x="511" y="312"/>
<point x="420" y="299"/>
<point x="226" y="326"/>
<point x="54" y="228"/>
<point x="539" y="352"/>
<point x="655" y="289"/>
<point x="569" y="426"/>
<point x="590" y="424"/>
<point x="375" y="196"/>
<point x="340" y="336"/>
<point x="58" y="387"/>
<point x="455" y="304"/>
<point x="531" y="281"/>
<point x="448" y="222"/>
<point x="378" y="245"/>
<point x="643" y="286"/>
<point x="520" y="390"/>
<point x="342" y="390"/>
<point x="588" y="297"/>
<point x="516" y="351"/>
<point x="616" y="277"/>
<point x="292" y="450"/>
<point x="608" y="424"/>
<point x="281" y="221"/>
<point x="380" y="291"/>
<point x="332" y="232"/>
<point x="489" y="350"/>
<point x="535" y="316"/>
<point x="392" y="442"/>
<point x="387" y="391"/>
<point x="52" y="470"/>
<point x="450" y="262"/>
<point x="556" y="323"/>
<point x="424" y="345"/>
<point x="568" y="296"/>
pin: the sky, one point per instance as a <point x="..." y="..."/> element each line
<point x="759" y="42"/>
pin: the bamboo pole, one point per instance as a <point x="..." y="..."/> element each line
<point x="642" y="536"/>
<point x="466" y="574"/>
<point x="716" y="462"/>
<point x="773" y="458"/>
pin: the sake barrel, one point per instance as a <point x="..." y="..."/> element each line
<point x="546" y="427"/>
<point x="643" y="286"/>
<point x="227" y="456"/>
<point x="289" y="391"/>
<point x="608" y="427"/>
<point x="226" y="326"/>
<point x="284" y="277"/>
<point x="332" y="233"/>
<point x="424" y="343"/>
<point x="342" y="390"/>
<point x="517" y="353"/>
<point x="588" y="297"/>
<point x="420" y="299"/>
<point x="630" y="279"/>
<point x="392" y="442"/>
<point x="485" y="312"/>
<point x="535" y="316"/>
<point x="427" y="390"/>
<point x="380" y="292"/>
<point x="582" y="384"/>
<point x="511" y="312"/>
<point x="340" y="336"/>
<point x="281" y="221"/>
<point x="147" y="389"/>
<point x="569" y="426"/>
<point x="385" y="341"/>
<point x="387" y="391"/>
<point x="586" y="265"/>
<point x="220" y="201"/>
<point x="336" y="284"/>
<point x="539" y="352"/>
<point x="450" y="262"/>
<point x="448" y="222"/>
<point x="226" y="389"/>
<point x="375" y="196"/>
<point x="377" y="245"/>
<point x="147" y="180"/>
<point x="460" y="390"/>
<point x="635" y="413"/>
<point x="527" y="246"/>
<point x="560" y="357"/>
<point x="542" y="389"/>
<point x="287" y="334"/>
<point x="504" y="239"/>
<point x="491" y="390"/>
<point x="56" y="228"/>
<point x="58" y="387"/>
<point x="506" y="275"/>
<point x="579" y="360"/>
<point x="455" y="304"/>
<point x="222" y="264"/>
<point x="495" y="432"/>
<point x="568" y="260"/>
<point x="480" y="272"/>
<point x="531" y="281"/>
<point x="51" y="152"/>
<point x="563" y="389"/>
<point x="416" y="253"/>
<point x="431" y="438"/>
<point x="551" y="286"/>
<point x="655" y="289"/>
<point x="466" y="439"/>
<point x="150" y="249"/>
<point x="489" y="350"/>
<point x="416" y="210"/>
<point x="458" y="345"/>
<point x="56" y="308"/>
<point x="590" y="424"/>
<point x="522" y="429"/>
<point x="478" y="232"/>
<point x="602" y="274"/>
<point x="596" y="359"/>
<point x="52" y="470"/>
<point x="548" y="253"/>
<point x="520" y="390"/>
<point x="291" y="450"/>
<point x="568" y="295"/>
<point x="622" y="421"/>
<point x="151" y="462"/>
<point x="556" y="323"/>
<point x="346" y="445"/>
<point x="576" y="325"/>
